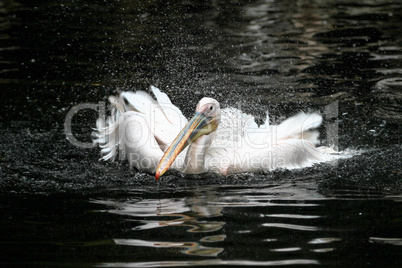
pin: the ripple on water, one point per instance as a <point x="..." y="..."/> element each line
<point x="388" y="93"/>
<point x="216" y="262"/>
<point x="295" y="227"/>
<point x="324" y="240"/>
<point x="386" y="240"/>
<point x="189" y="248"/>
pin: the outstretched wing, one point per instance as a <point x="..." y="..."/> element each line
<point x="164" y="119"/>
<point x="149" y="125"/>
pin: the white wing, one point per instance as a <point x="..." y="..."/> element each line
<point x="138" y="124"/>
<point x="241" y="145"/>
<point x="164" y="119"/>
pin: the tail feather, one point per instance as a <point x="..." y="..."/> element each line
<point x="300" y="126"/>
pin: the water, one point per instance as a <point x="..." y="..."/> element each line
<point x="60" y="206"/>
<point x="276" y="223"/>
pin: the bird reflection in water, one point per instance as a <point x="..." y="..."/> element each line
<point x="187" y="212"/>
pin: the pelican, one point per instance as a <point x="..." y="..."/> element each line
<point x="155" y="136"/>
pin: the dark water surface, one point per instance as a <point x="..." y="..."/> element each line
<point x="60" y="206"/>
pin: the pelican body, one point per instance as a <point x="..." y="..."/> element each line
<point x="154" y="136"/>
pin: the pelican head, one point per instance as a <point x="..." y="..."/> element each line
<point x="204" y="122"/>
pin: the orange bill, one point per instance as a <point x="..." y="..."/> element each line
<point x="192" y="131"/>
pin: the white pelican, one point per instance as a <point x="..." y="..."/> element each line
<point x="154" y="136"/>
